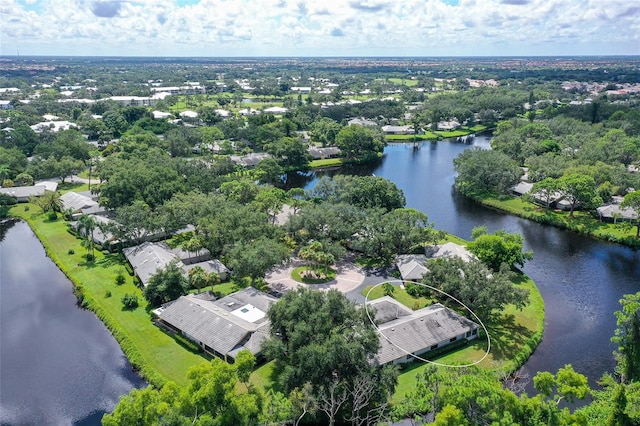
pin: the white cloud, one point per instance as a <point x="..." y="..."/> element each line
<point x="319" y="27"/>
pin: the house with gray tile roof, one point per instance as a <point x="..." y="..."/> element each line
<point x="450" y="249"/>
<point x="79" y="203"/>
<point x="222" y="327"/>
<point x="404" y="333"/>
<point x="148" y="258"/>
<point x="411" y="266"/>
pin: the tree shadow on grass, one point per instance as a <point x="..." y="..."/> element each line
<point x="507" y="337"/>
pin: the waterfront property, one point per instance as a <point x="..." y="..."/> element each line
<point x="450" y="249"/>
<point x="411" y="266"/>
<point x="222" y="327"/>
<point x="405" y="333"/>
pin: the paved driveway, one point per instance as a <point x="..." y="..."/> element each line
<point x="348" y="277"/>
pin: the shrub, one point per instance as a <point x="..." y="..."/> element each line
<point x="107" y="294"/>
<point x="53" y="215"/>
<point x="26" y="208"/>
<point x="71" y="251"/>
<point x="120" y="279"/>
<point x="129" y="301"/>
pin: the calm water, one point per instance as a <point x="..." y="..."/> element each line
<point x="59" y="365"/>
<point x="581" y="280"/>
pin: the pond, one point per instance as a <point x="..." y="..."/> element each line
<point x="580" y="279"/>
<point x="59" y="365"/>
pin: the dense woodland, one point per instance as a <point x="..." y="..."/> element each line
<point x="581" y="141"/>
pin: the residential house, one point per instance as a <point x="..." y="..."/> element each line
<point x="53" y="126"/>
<point x="222" y="327"/>
<point x="318" y="153"/>
<point x="249" y="160"/>
<point x="405" y="334"/>
<point x="6" y="105"/>
<point x="160" y="115"/>
<point x="148" y="258"/>
<point x="360" y="121"/>
<point x="411" y="266"/>
<point x="397" y="130"/>
<point x="276" y="110"/>
<point x="81" y="204"/>
<point x="612" y="212"/>
<point x="448" y="125"/>
<point x="448" y="250"/>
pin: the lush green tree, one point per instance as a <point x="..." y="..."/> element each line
<point x="499" y="248"/>
<point x="580" y="190"/>
<point x="210" y="398"/>
<point x="86" y="226"/>
<point x="290" y="152"/>
<point x="323" y="339"/>
<point x="166" y="285"/>
<point x="482" y="170"/>
<point x="269" y="171"/>
<point x="481" y="290"/>
<point x="240" y="191"/>
<point x="197" y="277"/>
<point x="361" y="191"/>
<point x="134" y="223"/>
<point x="546" y="190"/>
<point x="359" y="142"/>
<point x="255" y="258"/>
<point x="49" y="202"/>
<point x="567" y="385"/>
<point x="12" y="161"/>
<point x="627" y="337"/>
<point x="270" y="200"/>
<point x="632" y="201"/>
<point x="316" y="254"/>
<point x="6" y="201"/>
<point x="325" y="131"/>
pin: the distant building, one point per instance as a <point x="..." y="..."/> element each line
<point x="360" y="121"/>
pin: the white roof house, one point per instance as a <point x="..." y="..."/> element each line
<point x="404" y="332"/>
<point x="160" y="115"/>
<point x="53" y="126"/>
<point x="189" y="114"/>
<point x="276" y="110"/>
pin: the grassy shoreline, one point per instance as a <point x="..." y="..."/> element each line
<point x="145" y="345"/>
<point x="582" y="222"/>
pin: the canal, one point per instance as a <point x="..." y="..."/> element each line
<point x="59" y="365"/>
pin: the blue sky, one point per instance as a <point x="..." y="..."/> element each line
<point x="320" y="27"/>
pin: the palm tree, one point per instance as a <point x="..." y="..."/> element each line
<point x="86" y="225"/>
<point x="5" y="172"/>
<point x="198" y="277"/>
<point x="50" y="201"/>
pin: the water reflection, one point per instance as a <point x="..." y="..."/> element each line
<point x="58" y="364"/>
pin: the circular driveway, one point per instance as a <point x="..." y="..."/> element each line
<point x="348" y="277"/>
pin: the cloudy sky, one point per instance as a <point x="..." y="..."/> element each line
<point x="320" y="27"/>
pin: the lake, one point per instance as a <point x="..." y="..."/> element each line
<point x="580" y="279"/>
<point x="59" y="365"/>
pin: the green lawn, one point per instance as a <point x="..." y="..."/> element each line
<point x="156" y="354"/>
<point x="427" y="136"/>
<point x="582" y="222"/>
<point x="406" y="81"/>
<point x="513" y="339"/>
<point x="327" y="162"/>
<point x="325" y="274"/>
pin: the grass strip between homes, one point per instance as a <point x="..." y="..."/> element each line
<point x="156" y="355"/>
